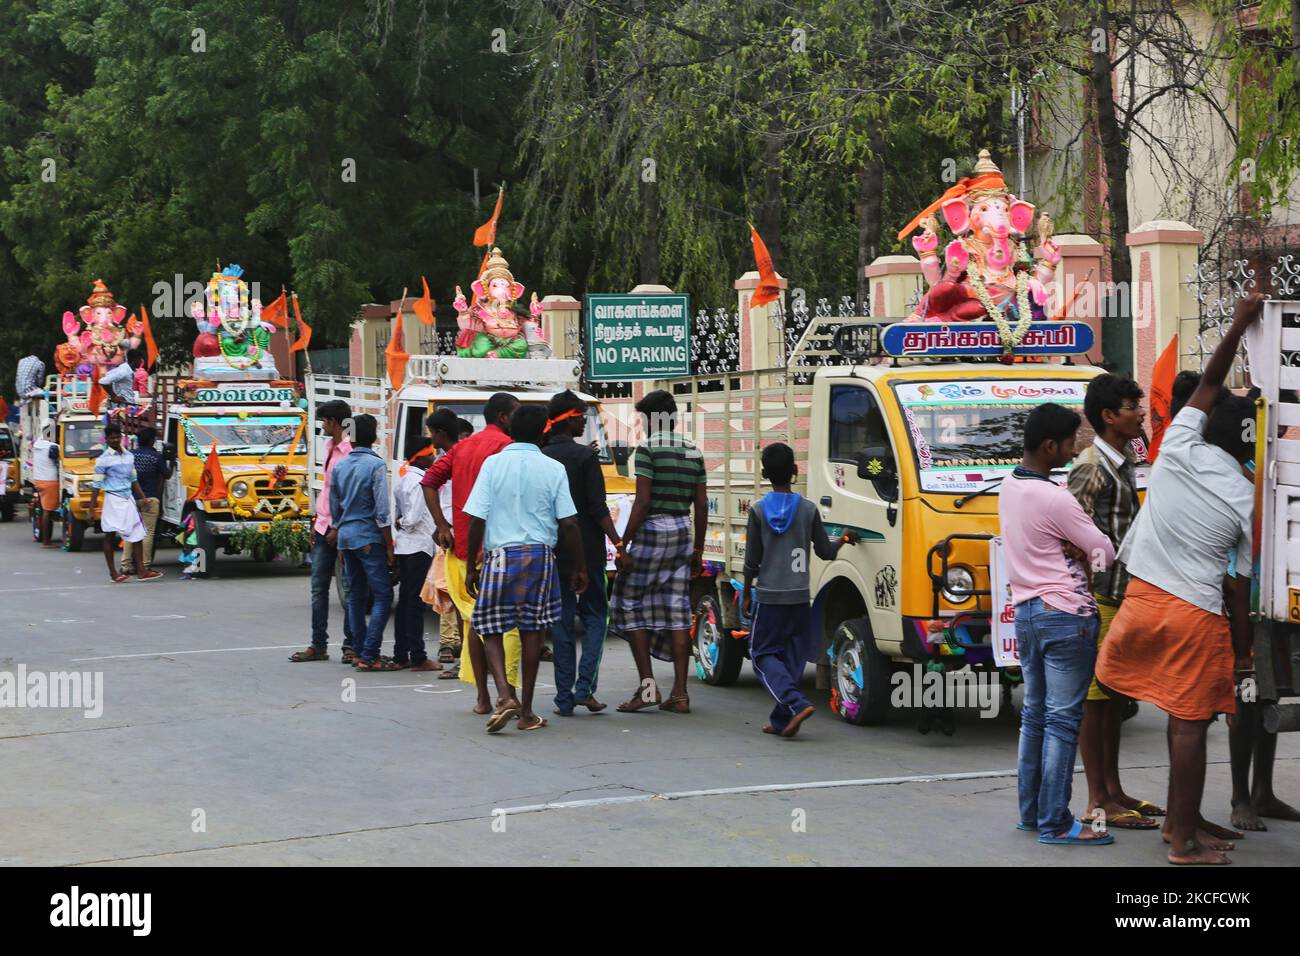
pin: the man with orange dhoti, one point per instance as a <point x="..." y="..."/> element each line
<point x="1170" y="643"/>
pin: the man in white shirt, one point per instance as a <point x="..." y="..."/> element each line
<point x="413" y="545"/>
<point x="45" y="476"/>
<point x="1170" y="643"/>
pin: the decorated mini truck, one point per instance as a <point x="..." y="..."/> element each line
<point x="239" y="435"/>
<point x="902" y="432"/>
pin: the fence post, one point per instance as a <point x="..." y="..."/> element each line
<point x="1164" y="253"/>
<point x="1080" y="265"/>
<point x="892" y="282"/>
<point x="762" y="344"/>
<point x="562" y="324"/>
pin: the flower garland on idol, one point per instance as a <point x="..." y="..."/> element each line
<point x="1010" y="337"/>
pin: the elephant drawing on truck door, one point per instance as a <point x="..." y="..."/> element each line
<point x="886" y="587"/>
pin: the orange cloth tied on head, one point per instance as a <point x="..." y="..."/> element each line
<point x="969" y="184"/>
<point x="571" y="413"/>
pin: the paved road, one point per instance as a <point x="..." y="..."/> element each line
<point x="212" y="749"/>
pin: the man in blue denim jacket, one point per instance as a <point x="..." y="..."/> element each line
<point x="360" y="527"/>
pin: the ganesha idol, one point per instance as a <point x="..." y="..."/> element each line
<point x="987" y="273"/>
<point x="230" y="326"/>
<point x="490" y="328"/>
<point x="104" y="340"/>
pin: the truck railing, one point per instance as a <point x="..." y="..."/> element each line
<point x="730" y="417"/>
<point x="557" y="374"/>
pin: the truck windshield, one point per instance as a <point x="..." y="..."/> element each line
<point x="595" y="428"/>
<point x="6" y="444"/>
<point x="965" y="433"/>
<point x="82" y="440"/>
<point x="254" y="435"/>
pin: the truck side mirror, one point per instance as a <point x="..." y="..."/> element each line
<point x="877" y="465"/>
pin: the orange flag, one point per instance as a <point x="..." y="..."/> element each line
<point x="1162" y="394"/>
<point x="304" y="330"/>
<point x="277" y="313"/>
<point x="395" y="355"/>
<point x="423" y="306"/>
<point x="486" y="234"/>
<point x="212" y="483"/>
<point x="769" y="286"/>
<point x="150" y="346"/>
<point x="97" y="393"/>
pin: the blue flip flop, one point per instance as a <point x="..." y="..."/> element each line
<point x="1072" y="838"/>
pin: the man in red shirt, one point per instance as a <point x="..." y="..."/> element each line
<point x="461" y="465"/>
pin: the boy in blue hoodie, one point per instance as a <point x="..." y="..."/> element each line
<point x="783" y="528"/>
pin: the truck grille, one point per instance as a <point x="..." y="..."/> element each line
<point x="287" y="488"/>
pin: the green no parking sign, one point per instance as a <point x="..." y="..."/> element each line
<point x="633" y="337"/>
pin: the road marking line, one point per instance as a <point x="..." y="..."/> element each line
<point x="159" y="617"/>
<point x="78" y="587"/>
<point x="69" y="620"/>
<point x="211" y="650"/>
<point x="757" y="788"/>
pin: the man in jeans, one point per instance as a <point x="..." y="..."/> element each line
<point x="566" y="422"/>
<point x="324" y="555"/>
<point x="361" y="528"/>
<point x="152" y="470"/>
<point x="1050" y="543"/>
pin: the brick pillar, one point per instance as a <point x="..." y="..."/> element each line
<point x="1080" y="271"/>
<point x="762" y="344"/>
<point x="561" y="316"/>
<point x="1164" y="253"/>
<point x="892" y="281"/>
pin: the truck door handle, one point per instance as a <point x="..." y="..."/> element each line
<point x="826" y="501"/>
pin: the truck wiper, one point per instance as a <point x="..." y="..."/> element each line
<point x="976" y="494"/>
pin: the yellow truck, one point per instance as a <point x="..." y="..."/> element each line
<point x="901" y="433"/>
<point x="80" y="437"/>
<point x="259" y="431"/>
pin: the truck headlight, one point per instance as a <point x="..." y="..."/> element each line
<point x="958" y="584"/>
<point x="239" y="489"/>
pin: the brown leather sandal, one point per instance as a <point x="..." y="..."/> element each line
<point x="677" y="705"/>
<point x="638" y="700"/>
<point x="310" y="654"/>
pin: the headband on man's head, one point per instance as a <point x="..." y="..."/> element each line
<point x="571" y="413"/>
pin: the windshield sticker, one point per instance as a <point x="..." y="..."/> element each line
<point x="922" y="446"/>
<point x="989" y="392"/>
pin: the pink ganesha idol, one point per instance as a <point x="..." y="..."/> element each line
<point x="988" y="268"/>
<point x="490" y="328"/>
<point x="104" y="340"/>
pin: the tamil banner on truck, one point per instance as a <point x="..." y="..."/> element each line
<point x="1006" y="649"/>
<point x="632" y="337"/>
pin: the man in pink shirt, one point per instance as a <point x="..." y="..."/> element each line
<point x="1050" y="544"/>
<point x="332" y="415"/>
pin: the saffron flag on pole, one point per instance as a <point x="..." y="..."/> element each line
<point x="304" y="330"/>
<point x="395" y="354"/>
<point x="769" y="286"/>
<point x="150" y="346"/>
<point x="423" y="306"/>
<point x="277" y="313"/>
<point x="1162" y="394"/>
<point x="212" y="483"/>
<point x="486" y="234"/>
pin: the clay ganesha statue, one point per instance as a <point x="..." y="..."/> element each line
<point x="231" y="326"/>
<point x="490" y="328"/>
<point x="986" y="273"/>
<point x="104" y="340"/>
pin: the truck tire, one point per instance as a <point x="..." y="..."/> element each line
<point x="206" y="543"/>
<point x="74" y="529"/>
<point x="718" y="655"/>
<point x="859" y="675"/>
<point x="6" y="511"/>
<point x="34" y="510"/>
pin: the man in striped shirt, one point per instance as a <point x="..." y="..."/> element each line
<point x="1103" y="481"/>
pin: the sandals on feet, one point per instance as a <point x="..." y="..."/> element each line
<point x="381" y="664"/>
<point x="505" y="712"/>
<point x="531" y="723"/>
<point x="640" y="700"/>
<point x="310" y="654"/>
<point x="677" y="705"/>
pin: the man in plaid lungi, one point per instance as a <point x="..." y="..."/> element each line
<point x="519" y="504"/>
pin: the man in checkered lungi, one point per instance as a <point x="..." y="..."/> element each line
<point x="519" y="505"/>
